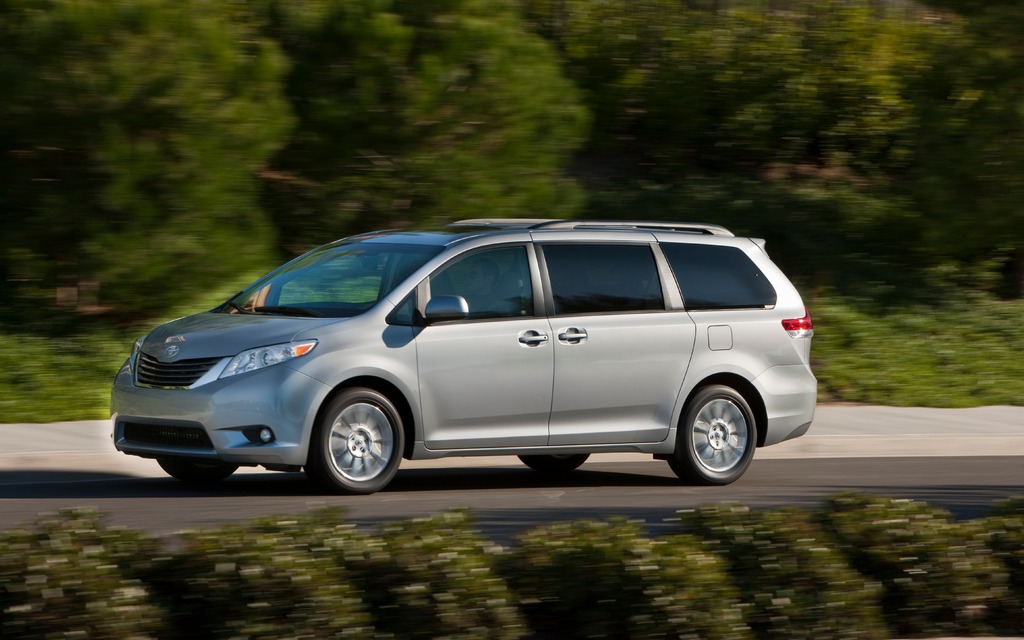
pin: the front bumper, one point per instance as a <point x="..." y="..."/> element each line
<point x="220" y="420"/>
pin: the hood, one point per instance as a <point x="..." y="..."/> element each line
<point x="214" y="335"/>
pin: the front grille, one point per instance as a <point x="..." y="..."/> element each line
<point x="183" y="373"/>
<point x="167" y="435"/>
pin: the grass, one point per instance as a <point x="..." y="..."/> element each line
<point x="969" y="355"/>
<point x="68" y="377"/>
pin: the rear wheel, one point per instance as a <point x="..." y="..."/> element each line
<point x="357" y="446"/>
<point x="716" y="438"/>
<point x="196" y="471"/>
<point x="562" y="463"/>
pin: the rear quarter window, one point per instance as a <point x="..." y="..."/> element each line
<point x="718" y="277"/>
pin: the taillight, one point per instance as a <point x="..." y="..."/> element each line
<point x="800" y="327"/>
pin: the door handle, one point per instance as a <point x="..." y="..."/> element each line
<point x="572" y="335"/>
<point x="532" y="338"/>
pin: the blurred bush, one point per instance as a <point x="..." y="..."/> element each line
<point x="735" y="574"/>
<point x="939" y="576"/>
<point x="70" y="576"/>
<point x="258" y="582"/>
<point x="1004" y="530"/>
<point x="792" y="581"/>
<point x="436" y="577"/>
<point x="317" y="576"/>
<point x="608" y="580"/>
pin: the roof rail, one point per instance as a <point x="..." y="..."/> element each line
<point x="502" y="223"/>
<point x="543" y="223"/>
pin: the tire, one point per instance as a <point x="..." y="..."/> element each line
<point x="563" y="463"/>
<point x="358" y="444"/>
<point x="195" y="471"/>
<point x="716" y="438"/>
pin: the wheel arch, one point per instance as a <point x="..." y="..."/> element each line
<point x="742" y="386"/>
<point x="384" y="387"/>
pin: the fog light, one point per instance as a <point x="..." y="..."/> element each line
<point x="266" y="435"/>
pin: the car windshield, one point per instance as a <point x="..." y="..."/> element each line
<point x="334" y="281"/>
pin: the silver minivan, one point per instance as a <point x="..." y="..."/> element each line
<point x="550" y="340"/>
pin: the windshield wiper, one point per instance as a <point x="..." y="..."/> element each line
<point x="289" y="311"/>
<point x="234" y="305"/>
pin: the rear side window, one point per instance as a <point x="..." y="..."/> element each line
<point x="717" y="277"/>
<point x="600" y="278"/>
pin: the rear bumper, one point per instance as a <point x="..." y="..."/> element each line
<point x="790" y="395"/>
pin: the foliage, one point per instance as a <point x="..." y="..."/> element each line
<point x="791" y="578"/>
<point x="414" y="113"/>
<point x="939" y="576"/>
<point x="55" y="379"/>
<point x="968" y="176"/>
<point x="1005" y="537"/>
<point x="850" y="134"/>
<point x="632" y="586"/>
<point x="964" y="354"/>
<point x="61" y="368"/>
<point x="438" y="573"/>
<point x="71" y="576"/>
<point x="152" y="150"/>
<point x="131" y="132"/>
<point x="425" y="578"/>
<point x="743" y="89"/>
<point x="241" y="582"/>
<point x="317" y="576"/>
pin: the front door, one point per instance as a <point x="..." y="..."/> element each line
<point x="485" y="381"/>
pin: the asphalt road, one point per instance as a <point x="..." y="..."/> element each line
<point x="964" y="460"/>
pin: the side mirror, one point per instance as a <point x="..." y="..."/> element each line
<point x="442" y="308"/>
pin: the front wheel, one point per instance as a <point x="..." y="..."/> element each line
<point x="196" y="471"/>
<point x="716" y="438"/>
<point x="555" y="463"/>
<point x="357" y="446"/>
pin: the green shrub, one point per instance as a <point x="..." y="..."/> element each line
<point x="1005" y="536"/>
<point x="731" y="574"/>
<point x="792" y="580"/>
<point x="436" y="577"/>
<point x="259" y="581"/>
<point x="966" y="354"/>
<point x="323" y="577"/>
<point x="939" y="576"/>
<point x="1011" y="507"/>
<point x="70" y="576"/>
<point x="607" y="580"/>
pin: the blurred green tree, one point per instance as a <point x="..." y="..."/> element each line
<point x="130" y="137"/>
<point x="413" y="113"/>
<point x="970" y="177"/>
<point x="869" y="142"/>
<point x="746" y="90"/>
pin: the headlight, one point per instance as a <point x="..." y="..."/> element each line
<point x="129" y="365"/>
<point x="266" y="356"/>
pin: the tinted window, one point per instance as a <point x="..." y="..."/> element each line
<point x="337" y="280"/>
<point x="495" y="283"/>
<point x="596" y="278"/>
<point x="716" y="277"/>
